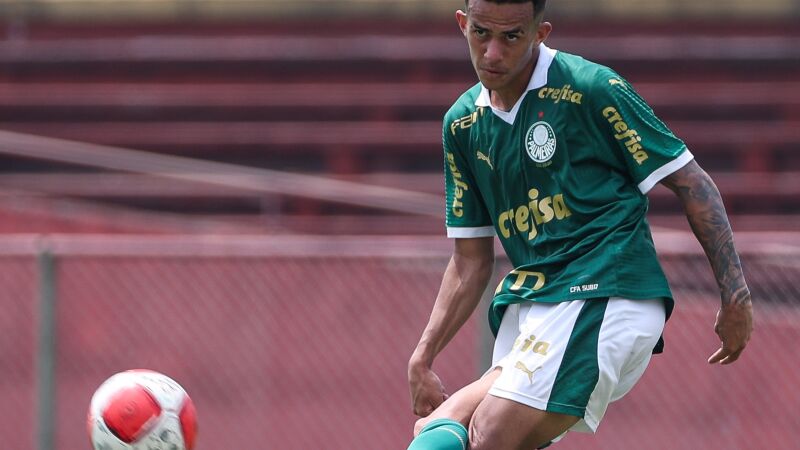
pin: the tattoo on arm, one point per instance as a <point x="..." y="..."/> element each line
<point x="707" y="217"/>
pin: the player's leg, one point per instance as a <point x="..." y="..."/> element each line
<point x="502" y="424"/>
<point x="446" y="427"/>
<point x="570" y="361"/>
<point x="460" y="406"/>
<point x="517" y="413"/>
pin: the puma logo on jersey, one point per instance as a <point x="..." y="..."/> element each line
<point x="615" y="82"/>
<point x="521" y="366"/>
<point x="482" y="157"/>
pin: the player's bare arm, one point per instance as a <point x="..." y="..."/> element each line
<point x="706" y="213"/>
<point x="463" y="284"/>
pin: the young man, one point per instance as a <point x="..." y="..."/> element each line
<point x="554" y="155"/>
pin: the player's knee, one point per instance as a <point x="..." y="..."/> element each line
<point x="480" y="435"/>
<point x="478" y="440"/>
<point x="487" y="432"/>
<point x="482" y="438"/>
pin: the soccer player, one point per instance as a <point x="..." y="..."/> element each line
<point x="554" y="155"/>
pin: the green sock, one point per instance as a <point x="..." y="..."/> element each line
<point x="441" y="434"/>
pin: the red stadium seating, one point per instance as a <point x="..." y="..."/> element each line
<point x="337" y="101"/>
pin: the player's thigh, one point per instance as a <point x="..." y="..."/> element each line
<point x="462" y="404"/>
<point x="502" y="424"/>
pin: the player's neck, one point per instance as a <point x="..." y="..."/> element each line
<point x="505" y="99"/>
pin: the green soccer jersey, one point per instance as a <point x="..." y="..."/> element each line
<point x="561" y="180"/>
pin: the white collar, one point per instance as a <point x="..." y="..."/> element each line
<point x="538" y="79"/>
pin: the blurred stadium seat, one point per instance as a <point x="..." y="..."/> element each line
<point x="363" y="104"/>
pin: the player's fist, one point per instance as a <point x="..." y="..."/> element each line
<point x="733" y="326"/>
<point x="427" y="391"/>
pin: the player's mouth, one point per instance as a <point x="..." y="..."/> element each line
<point x="492" y="73"/>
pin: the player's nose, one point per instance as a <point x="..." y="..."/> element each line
<point x="493" y="53"/>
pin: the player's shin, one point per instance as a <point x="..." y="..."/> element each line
<point x="441" y="434"/>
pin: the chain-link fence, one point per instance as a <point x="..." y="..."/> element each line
<point x="300" y="343"/>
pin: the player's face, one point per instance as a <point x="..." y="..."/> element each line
<point x="503" y="43"/>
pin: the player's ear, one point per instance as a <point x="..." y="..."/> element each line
<point x="461" y="18"/>
<point x="542" y="31"/>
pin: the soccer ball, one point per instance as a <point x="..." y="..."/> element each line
<point x="141" y="410"/>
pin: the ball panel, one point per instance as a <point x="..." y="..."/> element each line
<point x="167" y="392"/>
<point x="102" y="441"/>
<point x="188" y="419"/>
<point x="166" y="435"/>
<point x="129" y="411"/>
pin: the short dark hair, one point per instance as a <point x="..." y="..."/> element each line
<point x="538" y="5"/>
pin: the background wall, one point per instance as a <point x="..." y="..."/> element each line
<point x="248" y="9"/>
<point x="247" y="196"/>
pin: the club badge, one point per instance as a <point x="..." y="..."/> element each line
<point x="540" y="142"/>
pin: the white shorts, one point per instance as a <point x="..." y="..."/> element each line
<point x="575" y="357"/>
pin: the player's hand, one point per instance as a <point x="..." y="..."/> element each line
<point x="734" y="325"/>
<point x="427" y="391"/>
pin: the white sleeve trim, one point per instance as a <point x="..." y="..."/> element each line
<point x="665" y="170"/>
<point x="470" y="232"/>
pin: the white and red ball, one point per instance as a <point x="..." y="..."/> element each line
<point x="142" y="410"/>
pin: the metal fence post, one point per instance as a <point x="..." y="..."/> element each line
<point x="45" y="388"/>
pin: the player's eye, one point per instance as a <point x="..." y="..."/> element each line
<point x="479" y="32"/>
<point x="512" y="37"/>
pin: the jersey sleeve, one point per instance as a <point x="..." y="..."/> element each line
<point x="650" y="150"/>
<point x="466" y="216"/>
